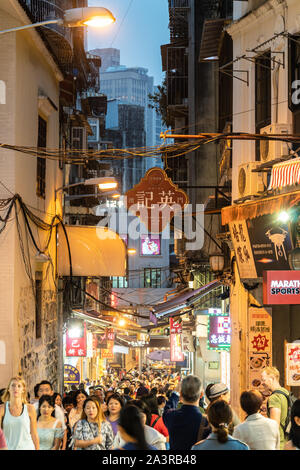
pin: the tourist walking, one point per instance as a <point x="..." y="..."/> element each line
<point x="92" y="432"/>
<point x="18" y="417"/>
<point x="114" y="405"/>
<point x="219" y="416"/>
<point x="187" y="423"/>
<point x="131" y="429"/>
<point x="75" y="414"/>
<point x="278" y="402"/>
<point x="49" y="428"/>
<point x="258" y="432"/>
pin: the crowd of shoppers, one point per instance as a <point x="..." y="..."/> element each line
<point x="147" y="411"/>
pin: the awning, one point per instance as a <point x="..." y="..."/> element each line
<point x="211" y="39"/>
<point x="173" y="306"/>
<point x="95" y="251"/>
<point x="159" y="342"/>
<point x="250" y="210"/>
<point x="98" y="321"/>
<point x="285" y="174"/>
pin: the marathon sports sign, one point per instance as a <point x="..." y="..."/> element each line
<point x="281" y="287"/>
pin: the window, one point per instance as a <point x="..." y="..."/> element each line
<point x="152" y="277"/>
<point x="262" y="94"/>
<point x="78" y="137"/>
<point x="41" y="162"/>
<point x="38" y="304"/>
<point x="119" y="281"/>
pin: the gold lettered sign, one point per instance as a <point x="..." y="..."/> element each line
<point x="243" y="250"/>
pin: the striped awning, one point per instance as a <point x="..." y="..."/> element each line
<point x="285" y="174"/>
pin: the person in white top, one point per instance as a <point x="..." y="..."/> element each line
<point x="18" y="418"/>
<point x="45" y="388"/>
<point x="258" y="432"/>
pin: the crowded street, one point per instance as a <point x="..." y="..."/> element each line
<point x="149" y="229"/>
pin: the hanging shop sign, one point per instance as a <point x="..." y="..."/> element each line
<point x="176" y="354"/>
<point x="259" y="244"/>
<point x="108" y="353"/>
<point x="187" y="341"/>
<point x="76" y="340"/>
<point x="281" y="287"/>
<point x="259" y="344"/>
<point x="175" y="326"/>
<point x="242" y="248"/>
<point x="71" y="375"/>
<point x="219" y="332"/>
<point x="292" y="358"/>
<point x="155" y="199"/>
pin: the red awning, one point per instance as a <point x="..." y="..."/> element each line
<point x="285" y="174"/>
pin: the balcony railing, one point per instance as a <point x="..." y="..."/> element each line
<point x="57" y="37"/>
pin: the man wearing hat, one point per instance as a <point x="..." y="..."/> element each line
<point x="219" y="391"/>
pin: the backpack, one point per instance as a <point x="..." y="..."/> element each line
<point x="291" y="400"/>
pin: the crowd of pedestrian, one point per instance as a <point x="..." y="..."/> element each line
<point x="147" y="411"/>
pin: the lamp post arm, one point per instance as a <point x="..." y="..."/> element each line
<point x="32" y="25"/>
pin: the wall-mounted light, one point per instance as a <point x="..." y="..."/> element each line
<point x="217" y="262"/>
<point x="283" y="217"/>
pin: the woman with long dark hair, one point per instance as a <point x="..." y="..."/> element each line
<point x="294" y="436"/>
<point x="49" y="428"/>
<point x="131" y="429"/>
<point x="114" y="405"/>
<point x="79" y="398"/>
<point x="155" y="420"/>
<point x="219" y="416"/>
<point x="92" y="431"/>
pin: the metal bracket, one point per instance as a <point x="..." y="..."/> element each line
<point x="234" y="76"/>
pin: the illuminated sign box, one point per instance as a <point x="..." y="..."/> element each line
<point x="219" y="332"/>
<point x="281" y="287"/>
<point x="150" y="246"/>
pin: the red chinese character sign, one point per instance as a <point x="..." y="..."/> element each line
<point x="108" y="353"/>
<point x="259" y="344"/>
<point x="76" y="341"/>
<point x="156" y="199"/>
<point x="292" y="359"/>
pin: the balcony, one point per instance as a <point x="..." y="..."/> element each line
<point x="57" y="38"/>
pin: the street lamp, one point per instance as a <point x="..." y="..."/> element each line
<point x="104" y="183"/>
<point x="75" y="17"/>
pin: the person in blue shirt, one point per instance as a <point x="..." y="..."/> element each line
<point x="219" y="416"/>
<point x="186" y="425"/>
<point x="131" y="429"/>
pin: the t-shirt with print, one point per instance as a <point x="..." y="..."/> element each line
<point x="277" y="400"/>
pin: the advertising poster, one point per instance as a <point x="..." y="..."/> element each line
<point x="292" y="357"/>
<point x="271" y="243"/>
<point x="150" y="246"/>
<point x="281" y="287"/>
<point x="260" y="344"/>
<point x="175" y="326"/>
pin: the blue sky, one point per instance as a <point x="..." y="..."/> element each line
<point x="139" y="37"/>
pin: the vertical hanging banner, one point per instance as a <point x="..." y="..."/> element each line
<point x="108" y="353"/>
<point x="260" y="344"/>
<point x="292" y="358"/>
<point x="176" y="354"/>
<point x="76" y="341"/>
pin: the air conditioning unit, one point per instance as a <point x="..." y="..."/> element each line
<point x="272" y="149"/>
<point x="250" y="183"/>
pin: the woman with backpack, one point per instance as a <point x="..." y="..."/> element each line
<point x="155" y="420"/>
